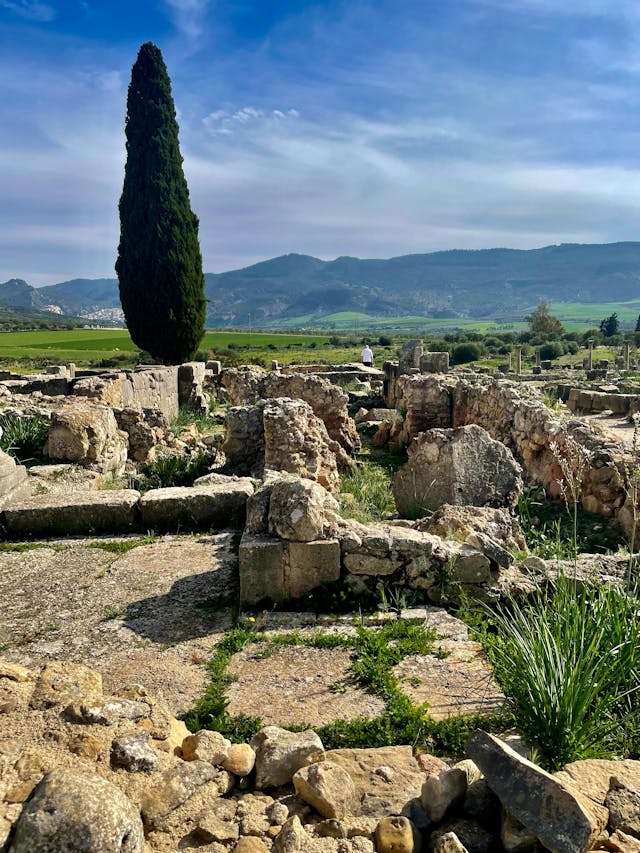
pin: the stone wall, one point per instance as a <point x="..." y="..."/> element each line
<point x="151" y="388"/>
<point x="329" y="403"/>
<point x="282" y="435"/>
<point x="518" y="418"/>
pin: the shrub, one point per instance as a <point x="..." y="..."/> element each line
<point x="550" y="350"/>
<point x="464" y="353"/>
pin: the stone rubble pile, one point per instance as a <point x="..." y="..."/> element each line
<point x="85" y="772"/>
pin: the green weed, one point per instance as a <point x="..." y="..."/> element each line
<point x="123" y="546"/>
<point x="172" y="470"/>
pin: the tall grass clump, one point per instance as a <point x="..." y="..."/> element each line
<point x="574" y="460"/>
<point x="569" y="658"/>
<point x="365" y="493"/>
<point x="24" y="437"/>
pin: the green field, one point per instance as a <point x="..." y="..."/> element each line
<point x="92" y="346"/>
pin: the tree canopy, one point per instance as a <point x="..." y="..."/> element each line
<point x="610" y="326"/>
<point x="542" y="322"/>
<point x="159" y="263"/>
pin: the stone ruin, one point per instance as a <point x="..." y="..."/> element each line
<point x="104" y="767"/>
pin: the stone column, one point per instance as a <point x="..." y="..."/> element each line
<point x="626" y="346"/>
<point x="590" y="355"/>
<point x="518" y="350"/>
<point x="537" y="358"/>
<point x="510" y="363"/>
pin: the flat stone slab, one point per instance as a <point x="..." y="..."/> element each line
<point x="213" y="506"/>
<point x="297" y="685"/>
<point x="135" y="617"/>
<point x="460" y="683"/>
<point x="81" y="512"/>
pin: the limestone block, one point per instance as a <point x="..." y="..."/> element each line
<point x="207" y="746"/>
<point x="386" y="779"/>
<point x="261" y="568"/>
<point x="359" y="563"/>
<point x="62" y="682"/>
<point x="77" y="512"/>
<point x="468" y="565"/>
<point x="217" y="506"/>
<point x="434" y="362"/>
<point x="310" y="564"/>
<point x="190" y="387"/>
<point x="78" y="813"/>
<point x="177" y="785"/>
<point x="280" y="754"/>
<point x="13" y="479"/>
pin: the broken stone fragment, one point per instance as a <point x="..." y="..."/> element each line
<point x="207" y="746"/>
<point x="280" y="753"/>
<point x="442" y="791"/>
<point x="63" y="683"/>
<point x="623" y="803"/>
<point x="133" y="753"/>
<point x="78" y="813"/>
<point x="211" y="828"/>
<point x="250" y="845"/>
<point x="108" y="713"/>
<point x="15" y="672"/>
<point x="449" y="843"/>
<point x="291" y="838"/>
<point x="560" y="818"/>
<point x="326" y="787"/>
<point x="177" y="785"/>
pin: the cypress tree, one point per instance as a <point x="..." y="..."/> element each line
<point x="159" y="263"/>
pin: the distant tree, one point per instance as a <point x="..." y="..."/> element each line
<point x="610" y="326"/>
<point x="159" y="263"/>
<point x="541" y="321"/>
<point x="637" y="329"/>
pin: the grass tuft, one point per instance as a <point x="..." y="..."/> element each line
<point x="24" y="437"/>
<point x="569" y="658"/>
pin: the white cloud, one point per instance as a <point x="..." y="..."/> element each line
<point x="189" y="16"/>
<point x="32" y="10"/>
<point x="225" y="123"/>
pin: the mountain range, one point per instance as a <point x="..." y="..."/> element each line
<point x="499" y="284"/>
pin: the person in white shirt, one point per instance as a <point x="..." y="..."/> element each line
<point x="367" y="356"/>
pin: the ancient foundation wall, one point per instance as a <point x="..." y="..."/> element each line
<point x="154" y="388"/>
<point x="519" y="418"/>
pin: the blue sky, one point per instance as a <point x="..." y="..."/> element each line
<point x="361" y="127"/>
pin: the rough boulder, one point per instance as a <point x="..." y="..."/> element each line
<point x="463" y="467"/>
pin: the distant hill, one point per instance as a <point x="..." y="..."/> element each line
<point x="500" y="284"/>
